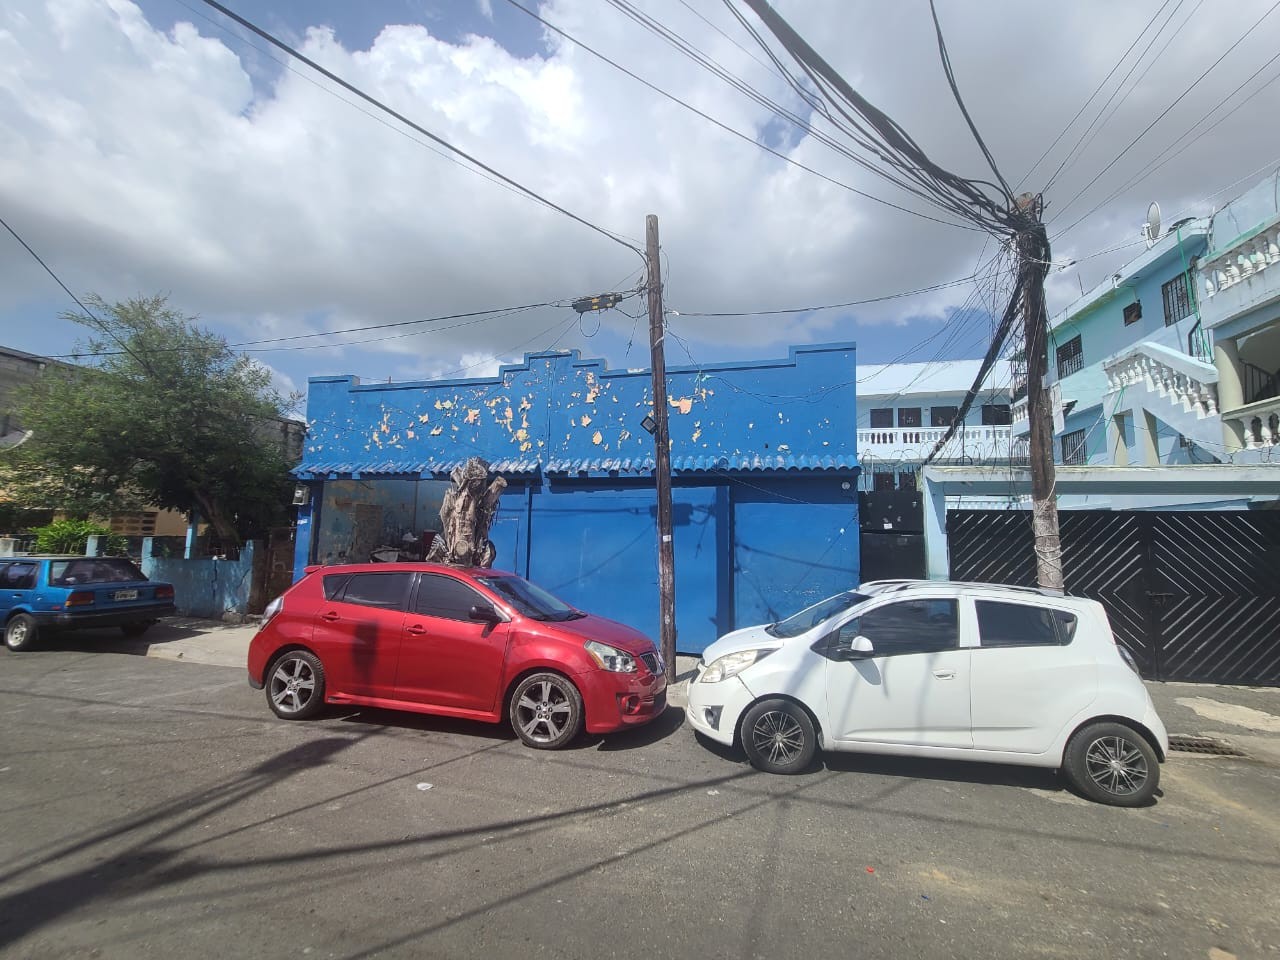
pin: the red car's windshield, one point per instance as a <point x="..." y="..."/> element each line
<point x="530" y="599"/>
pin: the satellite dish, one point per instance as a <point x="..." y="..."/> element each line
<point x="1151" y="229"/>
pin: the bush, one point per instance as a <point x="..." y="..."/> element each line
<point x="72" y="536"/>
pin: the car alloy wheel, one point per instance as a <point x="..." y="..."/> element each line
<point x="546" y="711"/>
<point x="295" y="688"/>
<point x="778" y="737"/>
<point x="1111" y="763"/>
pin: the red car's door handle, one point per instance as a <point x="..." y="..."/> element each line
<point x="330" y="617"/>
<point x="416" y="629"/>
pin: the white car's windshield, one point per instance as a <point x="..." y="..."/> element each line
<point x="810" y="617"/>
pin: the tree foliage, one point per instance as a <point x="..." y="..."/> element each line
<point x="72" y="536"/>
<point x="168" y="416"/>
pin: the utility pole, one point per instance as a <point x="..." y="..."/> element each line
<point x="662" y="451"/>
<point x="1033" y="264"/>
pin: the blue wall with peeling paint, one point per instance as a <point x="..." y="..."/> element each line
<point x="763" y="454"/>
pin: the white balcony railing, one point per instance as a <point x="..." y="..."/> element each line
<point x="1260" y="423"/>
<point x="916" y="443"/>
<point x="1241" y="277"/>
<point x="1180" y="379"/>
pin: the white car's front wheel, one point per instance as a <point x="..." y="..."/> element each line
<point x="778" y="737"/>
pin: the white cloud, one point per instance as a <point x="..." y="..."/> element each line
<point x="141" y="161"/>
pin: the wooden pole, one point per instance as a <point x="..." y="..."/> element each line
<point x="1033" y="257"/>
<point x="662" y="453"/>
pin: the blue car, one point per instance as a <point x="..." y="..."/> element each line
<point x="41" y="595"/>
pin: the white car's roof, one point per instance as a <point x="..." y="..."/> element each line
<point x="874" y="588"/>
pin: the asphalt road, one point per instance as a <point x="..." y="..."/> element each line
<point x="151" y="808"/>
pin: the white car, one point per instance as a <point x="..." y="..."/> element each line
<point x="957" y="671"/>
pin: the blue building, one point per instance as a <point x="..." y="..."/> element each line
<point x="764" y="463"/>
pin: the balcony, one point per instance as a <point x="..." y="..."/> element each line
<point x="1242" y="277"/>
<point x="912" y="444"/>
<point x="1260" y="423"/>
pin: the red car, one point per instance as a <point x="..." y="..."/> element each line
<point x="474" y="643"/>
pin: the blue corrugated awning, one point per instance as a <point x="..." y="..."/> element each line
<point x="413" y="468"/>
<point x="600" y="466"/>
<point x="705" y="464"/>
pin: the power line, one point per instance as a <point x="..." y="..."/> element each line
<point x="87" y="312"/>
<point x="951" y="81"/>
<point x="527" y="191"/>
<point x="1095" y="125"/>
<point x="827" y="306"/>
<point x="886" y="141"/>
<point x="1183" y="144"/>
<point x="1116" y="159"/>
<point x="728" y="129"/>
<point x="1097" y="90"/>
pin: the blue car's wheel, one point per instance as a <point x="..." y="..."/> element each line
<point x="20" y="632"/>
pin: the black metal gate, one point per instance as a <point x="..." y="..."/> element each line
<point x="1194" y="595"/>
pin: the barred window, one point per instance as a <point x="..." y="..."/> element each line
<point x="1070" y="358"/>
<point x="1073" y="448"/>
<point x="1177" y="299"/>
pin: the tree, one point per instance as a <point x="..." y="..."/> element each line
<point x="169" y="416"/>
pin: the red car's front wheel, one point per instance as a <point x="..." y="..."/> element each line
<point x="546" y="711"/>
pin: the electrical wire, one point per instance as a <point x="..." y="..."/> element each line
<point x="827" y="306"/>
<point x="1147" y="129"/>
<point x="1092" y="96"/>
<point x="351" y="88"/>
<point x="725" y="127"/>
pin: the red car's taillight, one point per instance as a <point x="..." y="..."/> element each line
<point x="79" y="598"/>
<point x="164" y="592"/>
<point x="274" y="607"/>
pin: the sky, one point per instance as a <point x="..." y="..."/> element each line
<point x="158" y="147"/>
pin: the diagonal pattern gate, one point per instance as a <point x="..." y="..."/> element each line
<point x="1194" y="595"/>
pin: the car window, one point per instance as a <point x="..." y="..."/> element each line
<point x="385" y="590"/>
<point x="67" y="573"/>
<point x="1022" y="625"/>
<point x="440" y="596"/>
<point x="333" y="585"/>
<point x="18" y="576"/>
<point x="911" y="626"/>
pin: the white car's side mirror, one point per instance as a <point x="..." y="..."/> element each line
<point x="860" y="648"/>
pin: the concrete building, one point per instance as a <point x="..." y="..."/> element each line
<point x="763" y="454"/>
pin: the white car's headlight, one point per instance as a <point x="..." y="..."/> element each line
<point x="732" y="664"/>
<point x="611" y="658"/>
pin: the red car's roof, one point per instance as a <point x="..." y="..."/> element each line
<point x="410" y="566"/>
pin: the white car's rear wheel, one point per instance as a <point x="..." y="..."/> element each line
<point x="1112" y="763"/>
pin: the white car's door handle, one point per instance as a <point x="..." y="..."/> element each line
<point x="945" y="674"/>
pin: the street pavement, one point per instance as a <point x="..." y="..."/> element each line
<point x="152" y="806"/>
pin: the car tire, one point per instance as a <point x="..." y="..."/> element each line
<point x="546" y="711"/>
<point x="21" y="632"/>
<point x="1112" y="763"/>
<point x="135" y="629"/>
<point x="779" y="737"/>
<point x="295" y="685"/>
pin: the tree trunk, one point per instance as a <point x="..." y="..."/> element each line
<point x="466" y="515"/>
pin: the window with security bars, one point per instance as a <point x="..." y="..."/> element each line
<point x="1070" y="358"/>
<point x="1073" y="448"/>
<point x="882" y="417"/>
<point x="1177" y="299"/>
<point x="942" y="416"/>
<point x="995" y="415"/>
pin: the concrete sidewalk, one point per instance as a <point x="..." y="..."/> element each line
<point x="1247" y="718"/>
